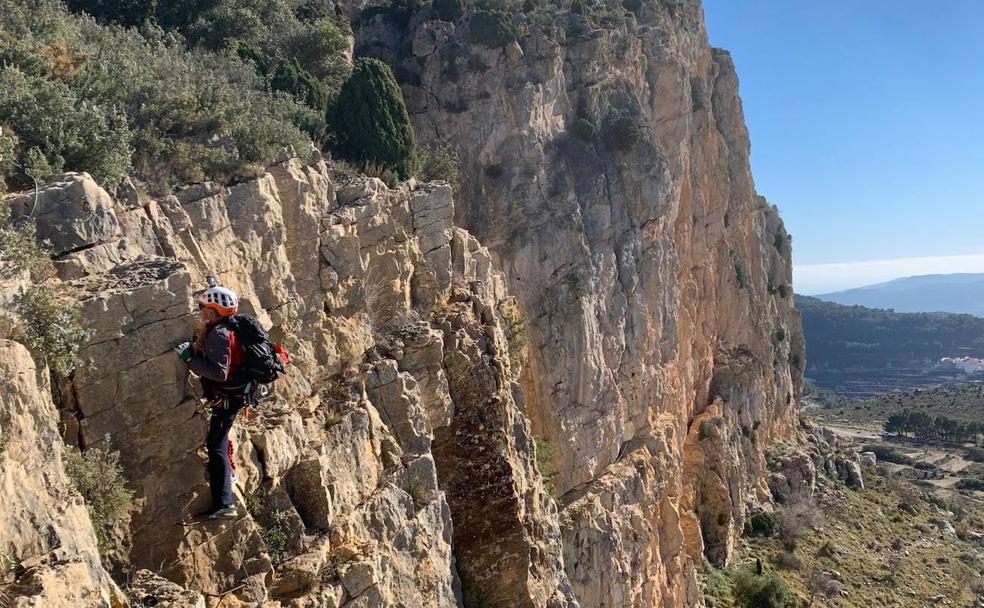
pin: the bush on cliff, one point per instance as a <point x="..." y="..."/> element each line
<point x="8" y="144"/>
<point x="767" y="591"/>
<point x="439" y="163"/>
<point x="491" y="28"/>
<point x="97" y="475"/>
<point x="19" y="248"/>
<point x="277" y="30"/>
<point x="448" y="10"/>
<point x="65" y="131"/>
<point x="291" y="78"/>
<point x="179" y="97"/>
<point x="371" y="121"/>
<point x="584" y="130"/>
<point x="623" y="128"/>
<point x="760" y="524"/>
<point x="52" y="328"/>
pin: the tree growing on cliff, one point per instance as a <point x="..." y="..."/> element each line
<point x="371" y="121"/>
<point x="448" y="10"/>
<point x="491" y="28"/>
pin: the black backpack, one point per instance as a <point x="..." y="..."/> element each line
<point x="262" y="360"/>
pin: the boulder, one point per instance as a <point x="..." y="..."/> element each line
<point x="148" y="589"/>
<point x="71" y="212"/>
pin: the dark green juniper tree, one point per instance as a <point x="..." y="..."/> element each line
<point x="371" y="121"/>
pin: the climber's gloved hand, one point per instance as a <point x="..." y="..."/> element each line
<point x="184" y="351"/>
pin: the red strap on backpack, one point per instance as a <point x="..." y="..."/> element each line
<point x="282" y="353"/>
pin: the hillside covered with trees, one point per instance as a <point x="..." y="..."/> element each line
<point x="178" y="92"/>
<point x="855" y="337"/>
<point x="892" y="350"/>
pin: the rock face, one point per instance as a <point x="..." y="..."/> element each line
<point x="605" y="303"/>
<point x="401" y="395"/>
<point x="48" y="551"/>
<point x="606" y="168"/>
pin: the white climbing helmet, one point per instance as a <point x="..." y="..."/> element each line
<point x="220" y="299"/>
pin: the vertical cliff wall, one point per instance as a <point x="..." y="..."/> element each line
<point x="399" y="433"/>
<point x="606" y="301"/>
<point x="606" y="168"/>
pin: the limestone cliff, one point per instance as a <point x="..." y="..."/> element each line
<point x="606" y="168"/>
<point x="400" y="398"/>
<point x="620" y="299"/>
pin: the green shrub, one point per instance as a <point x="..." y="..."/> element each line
<point x="514" y="326"/>
<point x="275" y="542"/>
<point x="58" y="131"/>
<point x="385" y="174"/>
<point x="194" y="115"/>
<point x="623" y="128"/>
<point x="448" y="10"/>
<point x="187" y="113"/>
<point x="121" y="12"/>
<point x="255" y="502"/>
<point x="780" y="240"/>
<point x="52" y="329"/>
<point x="715" y="586"/>
<point x="973" y="484"/>
<point x="19" y="247"/>
<point x="491" y="28"/>
<point x="766" y="591"/>
<point x="439" y="163"/>
<point x="97" y="475"/>
<point x="8" y="144"/>
<point x="278" y="30"/>
<point x="760" y="524"/>
<point x="741" y="270"/>
<point x="578" y="7"/>
<point x="709" y="429"/>
<point x="546" y="457"/>
<point x="291" y="78"/>
<point x="584" y="129"/>
<point x="974" y="453"/>
<point x="371" y="120"/>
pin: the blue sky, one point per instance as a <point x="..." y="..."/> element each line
<point x="867" y="126"/>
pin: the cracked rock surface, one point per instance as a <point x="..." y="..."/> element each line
<point x="555" y="388"/>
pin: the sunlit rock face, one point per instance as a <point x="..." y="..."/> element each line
<point x="606" y="168"/>
<point x="554" y="387"/>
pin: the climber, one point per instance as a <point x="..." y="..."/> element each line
<point x="217" y="358"/>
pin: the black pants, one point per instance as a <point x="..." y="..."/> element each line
<point x="217" y="442"/>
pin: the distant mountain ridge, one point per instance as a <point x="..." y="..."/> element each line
<point x="961" y="293"/>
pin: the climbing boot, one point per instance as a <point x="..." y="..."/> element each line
<point x="221" y="513"/>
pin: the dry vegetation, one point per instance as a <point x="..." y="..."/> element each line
<point x="894" y="544"/>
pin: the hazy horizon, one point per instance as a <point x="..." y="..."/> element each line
<point x="814" y="279"/>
